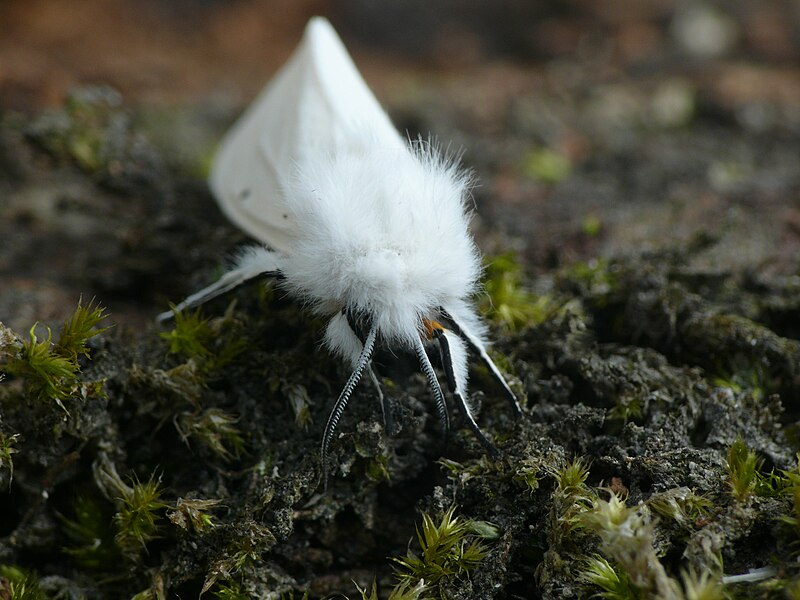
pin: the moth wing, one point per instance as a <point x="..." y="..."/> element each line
<point x="316" y="105"/>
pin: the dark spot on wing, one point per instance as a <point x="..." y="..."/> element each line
<point x="245" y="193"/>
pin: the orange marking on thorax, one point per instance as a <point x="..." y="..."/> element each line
<point x="431" y="326"/>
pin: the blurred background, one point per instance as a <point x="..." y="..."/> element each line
<point x="596" y="127"/>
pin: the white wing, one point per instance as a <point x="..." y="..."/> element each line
<point x="315" y="104"/>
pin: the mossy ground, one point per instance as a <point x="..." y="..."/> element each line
<point x="187" y="460"/>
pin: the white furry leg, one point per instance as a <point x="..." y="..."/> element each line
<point x="454" y="360"/>
<point x="251" y="263"/>
<point x="461" y="322"/>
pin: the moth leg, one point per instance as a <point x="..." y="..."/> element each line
<point x="454" y="360"/>
<point x="388" y="421"/>
<point x="253" y="262"/>
<point x="344" y="397"/>
<point x="430" y="374"/>
<point x="476" y="345"/>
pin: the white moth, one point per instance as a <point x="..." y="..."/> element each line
<point x="369" y="230"/>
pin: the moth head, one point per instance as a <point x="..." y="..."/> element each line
<point x="348" y="328"/>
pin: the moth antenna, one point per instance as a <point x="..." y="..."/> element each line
<point x="427" y="369"/>
<point x="476" y="345"/>
<point x="344" y="397"/>
<point x="447" y="362"/>
<point x="358" y="331"/>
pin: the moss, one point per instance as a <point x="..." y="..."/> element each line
<point x="79" y="329"/>
<point x="138" y="507"/>
<point x="546" y="165"/>
<point x="681" y="505"/>
<point x="402" y="591"/>
<point x="91" y="535"/>
<point x="230" y="591"/>
<point x="743" y="470"/>
<point x="51" y="369"/>
<point x="214" y="429"/>
<point x="17" y="584"/>
<point x="448" y="549"/>
<point x="211" y="343"/>
<point x="613" y="584"/>
<point x="509" y="303"/>
<point x="191" y="514"/>
<point x="7" y="451"/>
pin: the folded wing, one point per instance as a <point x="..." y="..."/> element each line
<point x="315" y="106"/>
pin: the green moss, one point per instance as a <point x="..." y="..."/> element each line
<point x="702" y="586"/>
<point x="509" y="303"/>
<point x="743" y="470"/>
<point x="7" y="450"/>
<point x="448" y="549"/>
<point x="214" y="429"/>
<point x="377" y="468"/>
<point x="16" y="584"/>
<point x="594" y="278"/>
<point x="138" y="506"/>
<point x="402" y="591"/>
<point x="79" y="329"/>
<point x="51" y="369"/>
<point x="791" y="489"/>
<point x="591" y="226"/>
<point x="626" y="539"/>
<point x="82" y="131"/>
<point x="191" y="335"/>
<point x="49" y="374"/>
<point x="571" y="478"/>
<point x="245" y="547"/>
<point x="750" y="379"/>
<point x="91" y="535"/>
<point x="137" y="516"/>
<point x="211" y="343"/>
<point x="546" y="165"/>
<point x="230" y="590"/>
<point x="614" y="584"/>
<point x="191" y="514"/>
<point x="627" y="407"/>
<point x="529" y="473"/>
<point x="300" y="403"/>
<point x="681" y="505"/>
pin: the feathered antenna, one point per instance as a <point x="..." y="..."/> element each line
<point x="344" y="397"/>
<point x="427" y="369"/>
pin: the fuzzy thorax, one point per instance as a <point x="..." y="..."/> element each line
<point x="384" y="233"/>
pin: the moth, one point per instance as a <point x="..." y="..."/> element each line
<point x="366" y="228"/>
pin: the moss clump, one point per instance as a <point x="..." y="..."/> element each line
<point x="211" y="343"/>
<point x="546" y="165"/>
<point x="191" y="514"/>
<point x="448" y="549"/>
<point x="613" y="584"/>
<point x="91" y="535"/>
<point x="743" y="470"/>
<point x="509" y="303"/>
<point x="138" y="508"/>
<point x="7" y="450"/>
<point x="16" y="584"/>
<point x="51" y="369"/>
